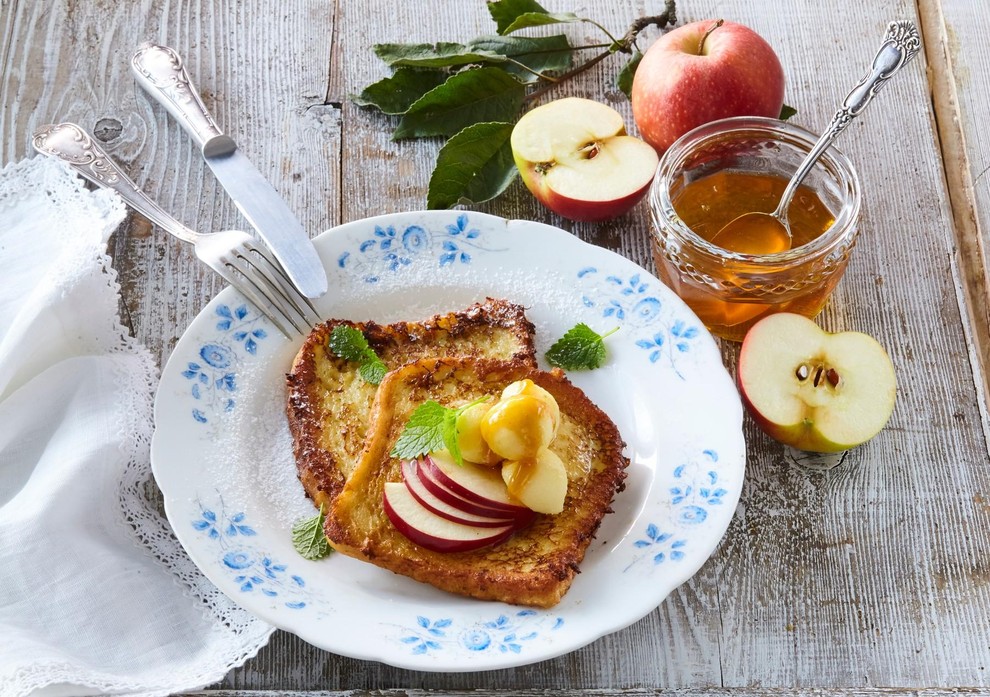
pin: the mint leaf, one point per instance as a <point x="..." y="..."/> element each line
<point x="786" y="112"/>
<point x="350" y="344"/>
<point x="540" y="54"/>
<point x="424" y="432"/>
<point x="474" y="165"/>
<point x="505" y="12"/>
<point x="431" y="427"/>
<point x="438" y="55"/>
<point x="308" y="538"/>
<point x="624" y="79"/>
<point x="395" y="94"/>
<point x="581" y="348"/>
<point x="466" y="98"/>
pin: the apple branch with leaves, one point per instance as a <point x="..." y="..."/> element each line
<point x="471" y="93"/>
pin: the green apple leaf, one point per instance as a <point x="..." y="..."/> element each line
<point x="624" y="79"/>
<point x="541" y="54"/>
<point x="474" y="165"/>
<point x="786" y="112"/>
<point x="395" y="94"/>
<point x="438" y="55"/>
<point x="539" y="19"/>
<point x="467" y="97"/>
<point x="505" y="12"/>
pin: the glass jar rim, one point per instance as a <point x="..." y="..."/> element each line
<point x="838" y="166"/>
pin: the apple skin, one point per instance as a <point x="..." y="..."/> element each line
<point x="575" y="157"/>
<point x="482" y="486"/>
<point x="433" y="532"/>
<point x="676" y="89"/>
<point x="456" y="509"/>
<point x="825" y="418"/>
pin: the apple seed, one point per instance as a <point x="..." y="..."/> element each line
<point x="832" y="376"/>
<point x="802" y="372"/>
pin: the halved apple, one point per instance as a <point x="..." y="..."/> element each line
<point x="576" y="159"/>
<point x="426" y="529"/>
<point x="814" y="390"/>
<point x="480" y="485"/>
<point x="451" y="511"/>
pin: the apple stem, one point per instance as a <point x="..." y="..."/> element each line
<point x="623" y="45"/>
<point x="701" y="46"/>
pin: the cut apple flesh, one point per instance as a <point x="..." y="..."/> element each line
<point x="431" y="531"/>
<point x="812" y="389"/>
<point x="454" y="511"/>
<point x="593" y="173"/>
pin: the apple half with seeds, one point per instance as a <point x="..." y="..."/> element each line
<point x="576" y="159"/>
<point x="814" y="390"/>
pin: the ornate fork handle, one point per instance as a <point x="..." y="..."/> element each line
<point x="74" y="146"/>
<point x="160" y="72"/>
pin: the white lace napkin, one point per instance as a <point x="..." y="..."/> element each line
<point x="96" y="595"/>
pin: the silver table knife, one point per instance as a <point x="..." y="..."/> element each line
<point x="160" y="72"/>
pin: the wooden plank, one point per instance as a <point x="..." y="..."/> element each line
<point x="617" y="692"/>
<point x="955" y="44"/>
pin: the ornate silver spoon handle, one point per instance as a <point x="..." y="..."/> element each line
<point x="901" y="43"/>
<point x="160" y="71"/>
<point x="74" y="146"/>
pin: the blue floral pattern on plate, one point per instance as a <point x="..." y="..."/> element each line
<point x="506" y="633"/>
<point x="393" y="248"/>
<point x="253" y="571"/>
<point x="212" y="374"/>
<point x="635" y="303"/>
<point x="695" y="491"/>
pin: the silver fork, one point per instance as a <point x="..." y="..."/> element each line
<point x="231" y="253"/>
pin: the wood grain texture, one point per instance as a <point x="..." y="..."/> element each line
<point x="874" y="573"/>
<point x="957" y="51"/>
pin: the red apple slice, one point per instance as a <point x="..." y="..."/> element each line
<point x="480" y="485"/>
<point x="428" y="477"/>
<point x="450" y="511"/>
<point x="426" y="529"/>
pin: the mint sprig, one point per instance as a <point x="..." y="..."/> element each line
<point x="431" y="427"/>
<point x="350" y="344"/>
<point x="581" y="348"/>
<point x="308" y="538"/>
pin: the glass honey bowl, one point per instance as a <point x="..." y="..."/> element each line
<point x="723" y="169"/>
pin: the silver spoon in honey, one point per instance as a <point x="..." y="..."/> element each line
<point x="769" y="233"/>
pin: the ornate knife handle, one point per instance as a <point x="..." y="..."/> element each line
<point x="159" y="70"/>
<point x="74" y="146"/>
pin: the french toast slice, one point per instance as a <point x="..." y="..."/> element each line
<point x="537" y="564"/>
<point x="329" y="404"/>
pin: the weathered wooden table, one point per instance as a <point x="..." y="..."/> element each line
<point x="871" y="576"/>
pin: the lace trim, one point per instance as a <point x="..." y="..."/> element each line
<point x="241" y="635"/>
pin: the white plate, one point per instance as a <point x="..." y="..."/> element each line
<point x="222" y="453"/>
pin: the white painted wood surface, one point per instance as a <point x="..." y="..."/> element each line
<point x="873" y="575"/>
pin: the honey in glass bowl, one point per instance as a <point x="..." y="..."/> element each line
<point x="727" y="168"/>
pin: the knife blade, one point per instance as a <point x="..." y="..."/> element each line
<point x="160" y="71"/>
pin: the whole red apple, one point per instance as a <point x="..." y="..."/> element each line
<point x="702" y="72"/>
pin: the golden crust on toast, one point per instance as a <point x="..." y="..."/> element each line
<point x="329" y="404"/>
<point x="537" y="564"/>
